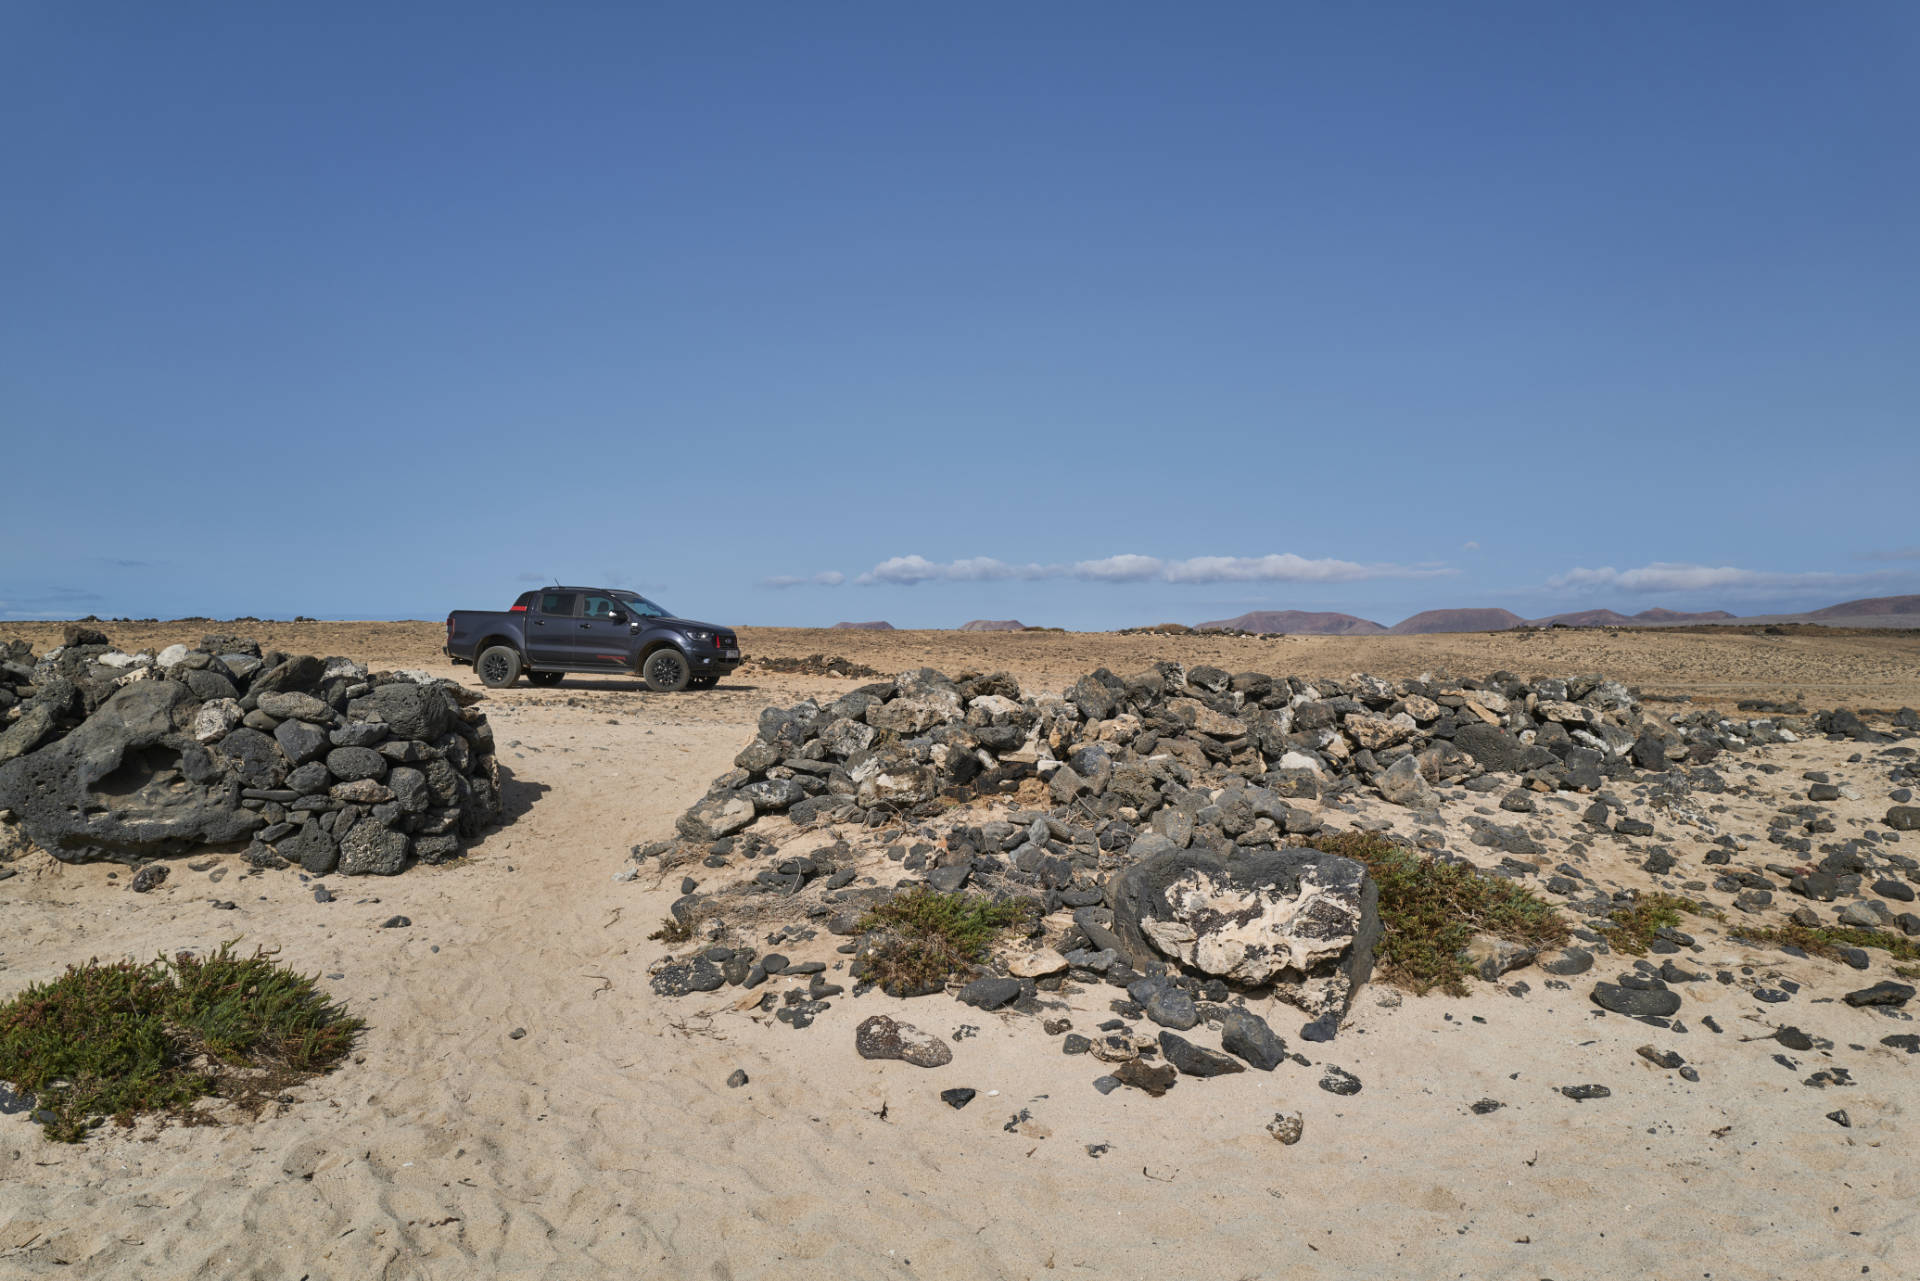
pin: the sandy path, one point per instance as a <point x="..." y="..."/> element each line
<point x="605" y="1141"/>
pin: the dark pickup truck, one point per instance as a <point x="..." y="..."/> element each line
<point x="557" y="630"/>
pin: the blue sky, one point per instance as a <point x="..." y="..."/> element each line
<point x="1091" y="315"/>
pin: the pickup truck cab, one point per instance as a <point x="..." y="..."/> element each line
<point x="556" y="630"/>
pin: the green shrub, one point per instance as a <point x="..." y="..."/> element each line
<point x="1429" y="910"/>
<point x="672" y="930"/>
<point x="1827" y="940"/>
<point x="123" y="1039"/>
<point x="926" y="937"/>
<point x="1630" y="929"/>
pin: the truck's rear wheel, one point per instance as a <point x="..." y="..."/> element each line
<point x="497" y="666"/>
<point x="667" y="671"/>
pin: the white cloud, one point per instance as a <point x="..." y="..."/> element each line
<point x="830" y="578"/>
<point x="905" y="571"/>
<point x="1668" y="576"/>
<point x="1469" y="546"/>
<point x="1131" y="567"/>
<point x="1288" y="568"/>
<point x="1125" y="568"/>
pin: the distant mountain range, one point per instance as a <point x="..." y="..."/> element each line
<point x="1870" y="607"/>
<point x="1456" y="620"/>
<point x="1875" y="611"/>
<point x="994" y="625"/>
<point x="1296" y="622"/>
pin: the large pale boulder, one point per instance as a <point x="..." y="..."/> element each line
<point x="1302" y="920"/>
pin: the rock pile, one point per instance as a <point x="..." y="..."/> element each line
<point x="310" y="761"/>
<point x="1153" y="823"/>
<point x="814" y="665"/>
<point x="1158" y="807"/>
<point x="1147" y="752"/>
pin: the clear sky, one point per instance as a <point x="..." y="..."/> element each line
<point x="1087" y="314"/>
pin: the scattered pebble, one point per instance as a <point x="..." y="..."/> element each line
<point x="1339" y="1081"/>
<point x="1287" y="1127"/>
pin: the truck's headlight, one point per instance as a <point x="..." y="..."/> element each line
<point x="702" y="637"/>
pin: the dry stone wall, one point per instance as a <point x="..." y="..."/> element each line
<point x="308" y="761"/>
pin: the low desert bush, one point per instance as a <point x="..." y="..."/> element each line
<point x="1827" y="940"/>
<point x="1430" y="909"/>
<point x="121" y="1040"/>
<point x="1632" y="928"/>
<point x="924" y="937"/>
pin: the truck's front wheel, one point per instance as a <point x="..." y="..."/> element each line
<point x="667" y="671"/>
<point x="498" y="667"/>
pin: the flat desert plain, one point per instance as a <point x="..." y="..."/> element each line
<point x="524" y="1105"/>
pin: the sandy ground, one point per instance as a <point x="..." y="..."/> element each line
<point x="605" y="1140"/>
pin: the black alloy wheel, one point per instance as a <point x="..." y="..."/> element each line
<point x="667" y="671"/>
<point x="497" y="667"/>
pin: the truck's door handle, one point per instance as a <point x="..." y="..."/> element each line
<point x="586" y="626"/>
<point x="539" y="622"/>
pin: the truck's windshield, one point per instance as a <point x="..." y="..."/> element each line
<point x="641" y="606"/>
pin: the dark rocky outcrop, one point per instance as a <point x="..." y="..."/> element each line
<point x="314" y="761"/>
<point x="128" y="783"/>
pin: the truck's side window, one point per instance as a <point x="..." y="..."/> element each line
<point x="560" y="603"/>
<point x="599" y="607"/>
